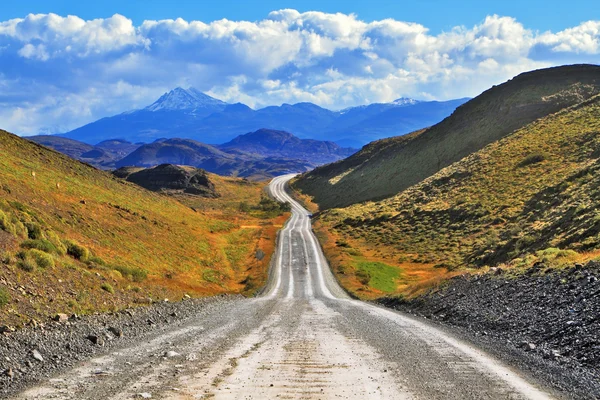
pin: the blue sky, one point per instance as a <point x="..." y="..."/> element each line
<point x="67" y="63"/>
<point x="438" y="15"/>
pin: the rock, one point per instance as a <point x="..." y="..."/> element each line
<point x="9" y="372"/>
<point x="61" y="318"/>
<point x="116" y="331"/>
<point x="144" y="395"/>
<point x="171" y="354"/>
<point x="97" y="340"/>
<point x="74" y="317"/>
<point x="6" y="329"/>
<point x="36" y="355"/>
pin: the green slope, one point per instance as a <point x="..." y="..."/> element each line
<point x="535" y="189"/>
<point x="384" y="168"/>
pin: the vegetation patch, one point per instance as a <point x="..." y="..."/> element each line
<point x="131" y="273"/>
<point x="107" y="288"/>
<point x="4" y="297"/>
<point x="378" y="275"/>
<point x="77" y="251"/>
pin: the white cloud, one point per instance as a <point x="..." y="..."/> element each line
<point x="60" y="72"/>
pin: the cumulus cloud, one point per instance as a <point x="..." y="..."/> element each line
<point x="58" y="72"/>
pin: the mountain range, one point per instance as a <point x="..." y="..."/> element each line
<point x="191" y="114"/>
<point x="255" y="155"/>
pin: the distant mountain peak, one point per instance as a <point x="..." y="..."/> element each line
<point x="405" y="101"/>
<point x="182" y="99"/>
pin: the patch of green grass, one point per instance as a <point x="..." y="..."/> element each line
<point x="4" y="297"/>
<point x="380" y="276"/>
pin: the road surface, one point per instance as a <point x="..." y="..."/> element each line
<point x="304" y="338"/>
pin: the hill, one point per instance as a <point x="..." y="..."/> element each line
<point x="245" y="157"/>
<point x="384" y="168"/>
<point x="74" y="239"/>
<point x="530" y="198"/>
<point x="170" y="178"/>
<point x="271" y="143"/>
<point x="104" y="155"/>
<point x="194" y="115"/>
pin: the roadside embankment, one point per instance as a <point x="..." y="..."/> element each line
<point x="545" y="319"/>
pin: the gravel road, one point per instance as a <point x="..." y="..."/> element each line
<point x="303" y="338"/>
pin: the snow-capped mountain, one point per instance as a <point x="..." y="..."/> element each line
<point x="405" y="101"/>
<point x="191" y="114"/>
<point x="182" y="99"/>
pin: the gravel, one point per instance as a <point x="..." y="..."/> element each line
<point x="41" y="351"/>
<point x="546" y="320"/>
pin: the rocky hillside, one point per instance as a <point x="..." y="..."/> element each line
<point x="558" y="334"/>
<point x="384" y="168"/>
<point x="74" y="239"/>
<point x="534" y="190"/>
<point x="271" y="143"/>
<point x="170" y="178"/>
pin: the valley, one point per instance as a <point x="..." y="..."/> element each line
<point x="301" y="338"/>
<point x="277" y="264"/>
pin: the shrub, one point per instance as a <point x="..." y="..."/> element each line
<point x="4" y="297"/>
<point x="107" y="288"/>
<point x="7" y="258"/>
<point x="363" y="276"/>
<point x="77" y="251"/>
<point x="533" y="158"/>
<point x="26" y="264"/>
<point x="135" y="274"/>
<point x="61" y="249"/>
<point x="39" y="244"/>
<point x="42" y="260"/>
<point x="5" y="223"/>
<point x="34" y="231"/>
<point x="93" y="261"/>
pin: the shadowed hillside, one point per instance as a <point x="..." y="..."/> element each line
<point x="389" y="166"/>
<point x="530" y="197"/>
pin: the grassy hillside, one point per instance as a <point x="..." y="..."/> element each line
<point x="531" y="196"/>
<point x="76" y="239"/>
<point x="384" y="168"/>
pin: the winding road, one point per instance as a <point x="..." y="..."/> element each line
<point x="303" y="338"/>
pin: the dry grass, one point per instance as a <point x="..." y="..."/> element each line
<point x="503" y="206"/>
<point x="128" y="231"/>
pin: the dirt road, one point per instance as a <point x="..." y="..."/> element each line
<point x="304" y="338"/>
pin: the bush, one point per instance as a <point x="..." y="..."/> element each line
<point x="135" y="274"/>
<point x="42" y="260"/>
<point x="77" y="251"/>
<point x="5" y="223"/>
<point x="533" y="158"/>
<point x="53" y="238"/>
<point x="95" y="261"/>
<point x="27" y="264"/>
<point x="39" y="244"/>
<point x="363" y="276"/>
<point x="107" y="288"/>
<point x="4" y="297"/>
<point x="34" y="231"/>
